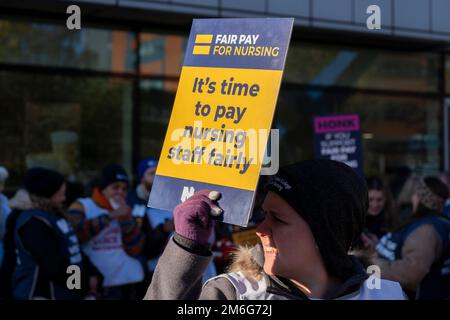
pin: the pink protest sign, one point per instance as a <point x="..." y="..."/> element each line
<point x="336" y="123"/>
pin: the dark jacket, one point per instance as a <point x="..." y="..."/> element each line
<point x="46" y="246"/>
<point x="9" y="259"/>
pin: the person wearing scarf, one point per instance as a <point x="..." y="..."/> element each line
<point x="109" y="235"/>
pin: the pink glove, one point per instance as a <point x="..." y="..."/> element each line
<point x="193" y="218"/>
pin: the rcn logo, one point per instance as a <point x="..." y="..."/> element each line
<point x="202" y="44"/>
<point x="188" y="192"/>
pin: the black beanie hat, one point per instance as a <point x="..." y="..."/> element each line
<point x="43" y="182"/>
<point x="333" y="200"/>
<point x="112" y="173"/>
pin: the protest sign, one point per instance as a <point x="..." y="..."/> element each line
<point x="222" y="114"/>
<point x="338" y="137"/>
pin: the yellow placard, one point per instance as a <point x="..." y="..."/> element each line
<point x="220" y="111"/>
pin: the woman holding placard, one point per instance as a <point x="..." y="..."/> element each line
<point x="315" y="212"/>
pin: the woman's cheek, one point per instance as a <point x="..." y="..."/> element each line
<point x="268" y="264"/>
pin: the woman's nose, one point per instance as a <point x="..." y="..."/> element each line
<point x="263" y="230"/>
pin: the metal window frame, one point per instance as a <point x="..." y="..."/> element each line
<point x="446" y="128"/>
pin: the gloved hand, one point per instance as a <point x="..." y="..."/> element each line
<point x="193" y="218"/>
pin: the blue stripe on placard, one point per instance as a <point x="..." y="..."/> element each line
<point x="167" y="193"/>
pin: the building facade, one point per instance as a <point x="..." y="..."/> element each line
<point x="76" y="100"/>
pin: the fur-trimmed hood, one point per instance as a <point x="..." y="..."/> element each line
<point x="249" y="261"/>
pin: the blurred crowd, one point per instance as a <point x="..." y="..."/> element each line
<point x="107" y="234"/>
<point x="409" y="239"/>
<point x="115" y="240"/>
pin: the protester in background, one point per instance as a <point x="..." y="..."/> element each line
<point x="414" y="255"/>
<point x="145" y="175"/>
<point x="315" y="211"/>
<point x="156" y="236"/>
<point x="19" y="202"/>
<point x="404" y="204"/>
<point x="381" y="216"/>
<point x="45" y="243"/>
<point x="109" y="235"/>
<point x="137" y="199"/>
<point x="445" y="177"/>
<point x="4" y="209"/>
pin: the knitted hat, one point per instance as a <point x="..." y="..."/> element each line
<point x="145" y="164"/>
<point x="112" y="173"/>
<point x="43" y="182"/>
<point x="333" y="200"/>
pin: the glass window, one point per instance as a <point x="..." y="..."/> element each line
<point x="54" y="45"/>
<point x="75" y="125"/>
<point x="162" y="55"/>
<point x="399" y="133"/>
<point x="446" y="134"/>
<point x="362" y="68"/>
<point x="447" y="74"/>
<point x="157" y="99"/>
